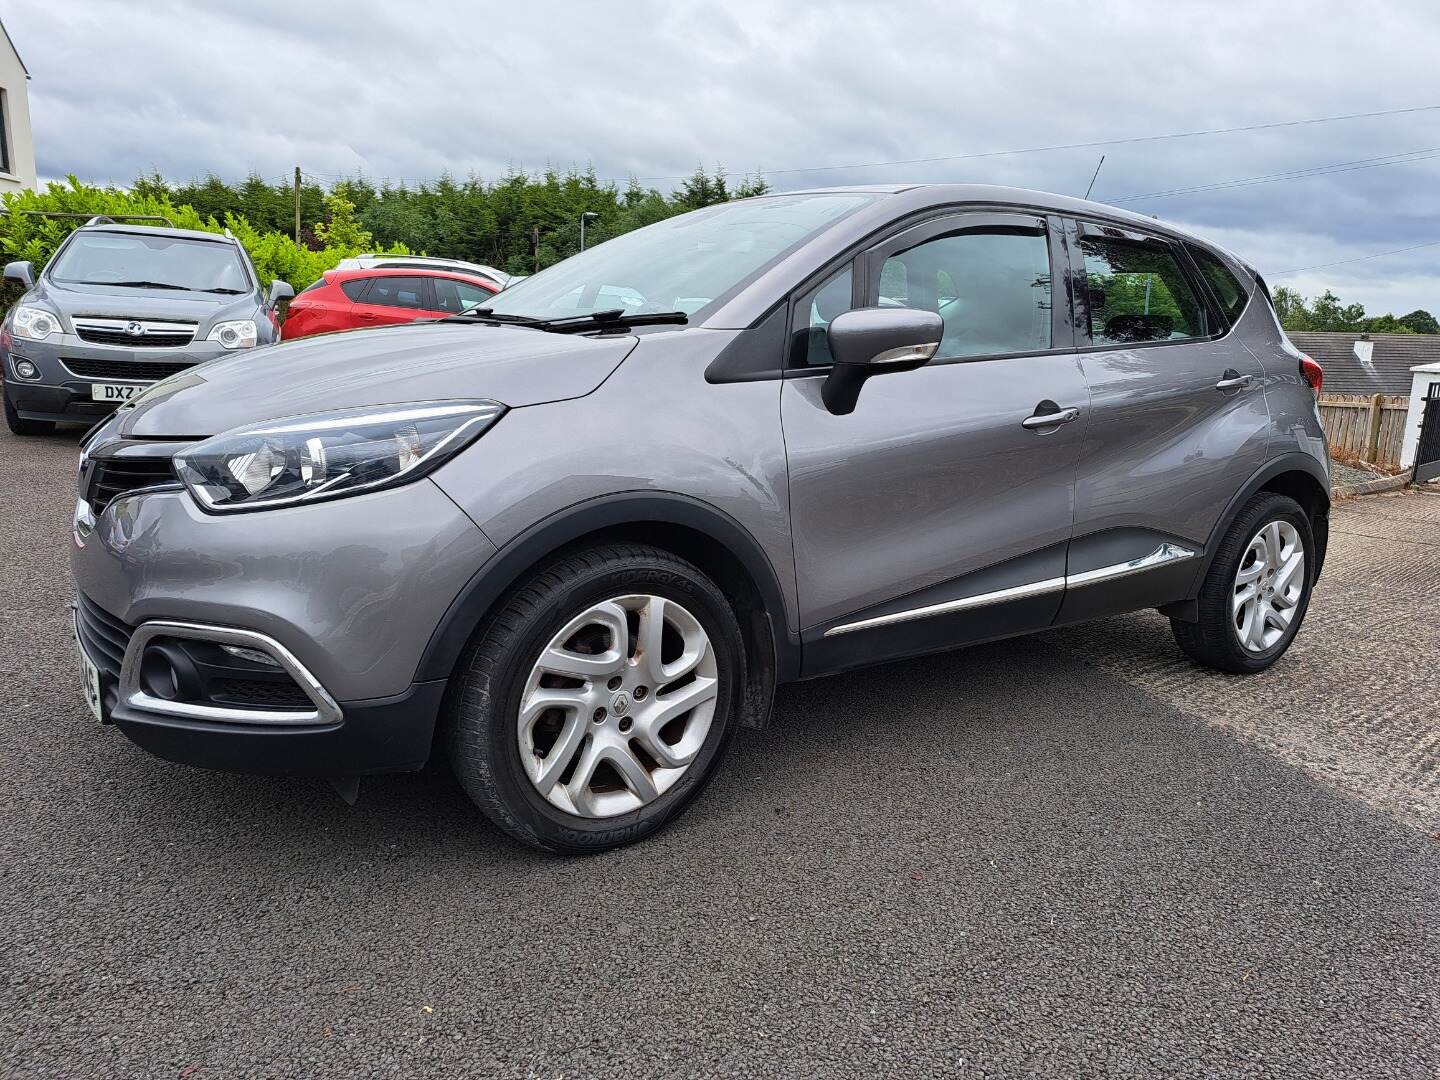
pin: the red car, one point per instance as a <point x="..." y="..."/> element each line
<point x="347" y="299"/>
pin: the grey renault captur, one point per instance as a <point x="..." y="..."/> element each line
<point x="119" y="307"/>
<point x="576" y="538"/>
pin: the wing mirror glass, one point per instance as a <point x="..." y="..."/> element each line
<point x="876" y="341"/>
<point x="23" y="272"/>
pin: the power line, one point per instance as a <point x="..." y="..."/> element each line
<point x="1090" y="145"/>
<point x="1360" y="258"/>
<point x="1094" y="144"/>
<point x="1295" y="174"/>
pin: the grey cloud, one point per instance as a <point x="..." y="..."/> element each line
<point x="654" y="88"/>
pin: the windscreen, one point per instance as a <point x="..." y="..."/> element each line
<point x="680" y="264"/>
<point x="153" y="262"/>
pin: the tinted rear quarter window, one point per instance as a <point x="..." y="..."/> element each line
<point x="355" y="288"/>
<point x="1226" y="287"/>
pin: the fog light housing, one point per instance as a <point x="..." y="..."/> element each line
<point x="25" y="369"/>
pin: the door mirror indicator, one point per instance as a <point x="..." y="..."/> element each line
<point x="22" y="272"/>
<point x="875" y="341"/>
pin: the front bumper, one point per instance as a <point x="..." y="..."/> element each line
<point x="63" y="395"/>
<point x="351" y="590"/>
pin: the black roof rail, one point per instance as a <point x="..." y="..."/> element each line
<point x="100" y="219"/>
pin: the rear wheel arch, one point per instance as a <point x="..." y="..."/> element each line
<point x="705" y="536"/>
<point x="1302" y="478"/>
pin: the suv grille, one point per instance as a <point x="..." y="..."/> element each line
<point x="104" y="637"/>
<point x="110" y="478"/>
<point x="134" y="333"/>
<point x="143" y="371"/>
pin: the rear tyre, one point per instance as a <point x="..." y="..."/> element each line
<point x="596" y="704"/>
<point x="20" y="426"/>
<point x="1257" y="589"/>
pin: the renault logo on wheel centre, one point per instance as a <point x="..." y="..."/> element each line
<point x="621" y="705"/>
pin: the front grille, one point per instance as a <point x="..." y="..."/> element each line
<point x="134" y="333"/>
<point x="110" y="478"/>
<point x="136" y="371"/>
<point x="103" y="636"/>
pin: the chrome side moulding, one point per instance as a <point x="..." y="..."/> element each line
<point x="999" y="596"/>
<point x="326" y="711"/>
<point x="1163" y="555"/>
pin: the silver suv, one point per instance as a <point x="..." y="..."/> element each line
<point x="581" y="534"/>
<point x="119" y="307"/>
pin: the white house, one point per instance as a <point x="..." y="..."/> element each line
<point x="1425" y="380"/>
<point x="17" y="149"/>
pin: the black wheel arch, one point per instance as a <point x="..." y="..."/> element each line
<point x="1298" y="475"/>
<point x="700" y="533"/>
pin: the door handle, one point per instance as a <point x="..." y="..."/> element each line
<point x="1050" y="419"/>
<point x="1233" y="380"/>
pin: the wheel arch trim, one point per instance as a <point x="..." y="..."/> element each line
<point x="1294" y="462"/>
<point x="564" y="527"/>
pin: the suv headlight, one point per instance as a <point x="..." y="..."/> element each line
<point x="329" y="455"/>
<point x="236" y="334"/>
<point x="35" y="324"/>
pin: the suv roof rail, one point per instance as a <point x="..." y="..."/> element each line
<point x="100" y="219"/>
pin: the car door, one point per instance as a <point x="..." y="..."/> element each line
<point x="1178" y="420"/>
<point x="938" y="512"/>
<point x="454" y="295"/>
<point x="394" y="299"/>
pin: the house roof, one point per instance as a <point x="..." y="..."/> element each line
<point x="10" y="41"/>
<point x="1391" y="358"/>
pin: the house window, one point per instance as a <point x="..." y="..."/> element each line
<point x="4" y="130"/>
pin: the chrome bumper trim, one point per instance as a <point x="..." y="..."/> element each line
<point x="326" y="711"/>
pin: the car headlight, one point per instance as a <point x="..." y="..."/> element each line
<point x="328" y="455"/>
<point x="236" y="334"/>
<point x="35" y="324"/>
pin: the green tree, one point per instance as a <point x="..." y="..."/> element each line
<point x="1421" y="321"/>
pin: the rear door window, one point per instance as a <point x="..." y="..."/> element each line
<point x="1138" y="292"/>
<point x="401" y="292"/>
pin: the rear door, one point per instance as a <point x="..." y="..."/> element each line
<point x="394" y="299"/>
<point x="1178" y="420"/>
<point x="934" y="514"/>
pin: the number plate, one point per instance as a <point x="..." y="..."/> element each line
<point x="104" y="391"/>
<point x="89" y="681"/>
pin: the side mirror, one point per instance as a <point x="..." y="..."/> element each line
<point x="23" y="272"/>
<point x="875" y="341"/>
<point x="280" y="290"/>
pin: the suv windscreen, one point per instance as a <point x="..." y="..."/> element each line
<point x="154" y="262"/>
<point x="681" y="264"/>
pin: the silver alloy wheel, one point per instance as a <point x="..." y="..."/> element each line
<point x="1268" y="586"/>
<point x="617" y="706"/>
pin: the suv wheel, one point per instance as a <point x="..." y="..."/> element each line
<point x="1257" y="588"/>
<point x="596" y="704"/>
<point x="20" y="426"/>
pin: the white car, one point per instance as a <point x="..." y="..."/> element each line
<point x="425" y="262"/>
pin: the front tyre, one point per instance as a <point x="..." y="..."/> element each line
<point x="1257" y="589"/>
<point x="18" y="425"/>
<point x="596" y="704"/>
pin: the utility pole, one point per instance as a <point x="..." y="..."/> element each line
<point x="535" y="246"/>
<point x="583" y="218"/>
<point x="297" y="204"/>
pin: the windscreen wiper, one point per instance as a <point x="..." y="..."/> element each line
<point x="224" y="292"/>
<point x="604" y="320"/>
<point x="484" y="314"/>
<point x="141" y="285"/>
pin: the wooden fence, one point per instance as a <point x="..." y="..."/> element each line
<point x="1371" y="428"/>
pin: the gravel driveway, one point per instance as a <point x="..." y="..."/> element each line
<point x="1002" y="862"/>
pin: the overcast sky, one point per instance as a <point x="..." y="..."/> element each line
<point x="409" y="90"/>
